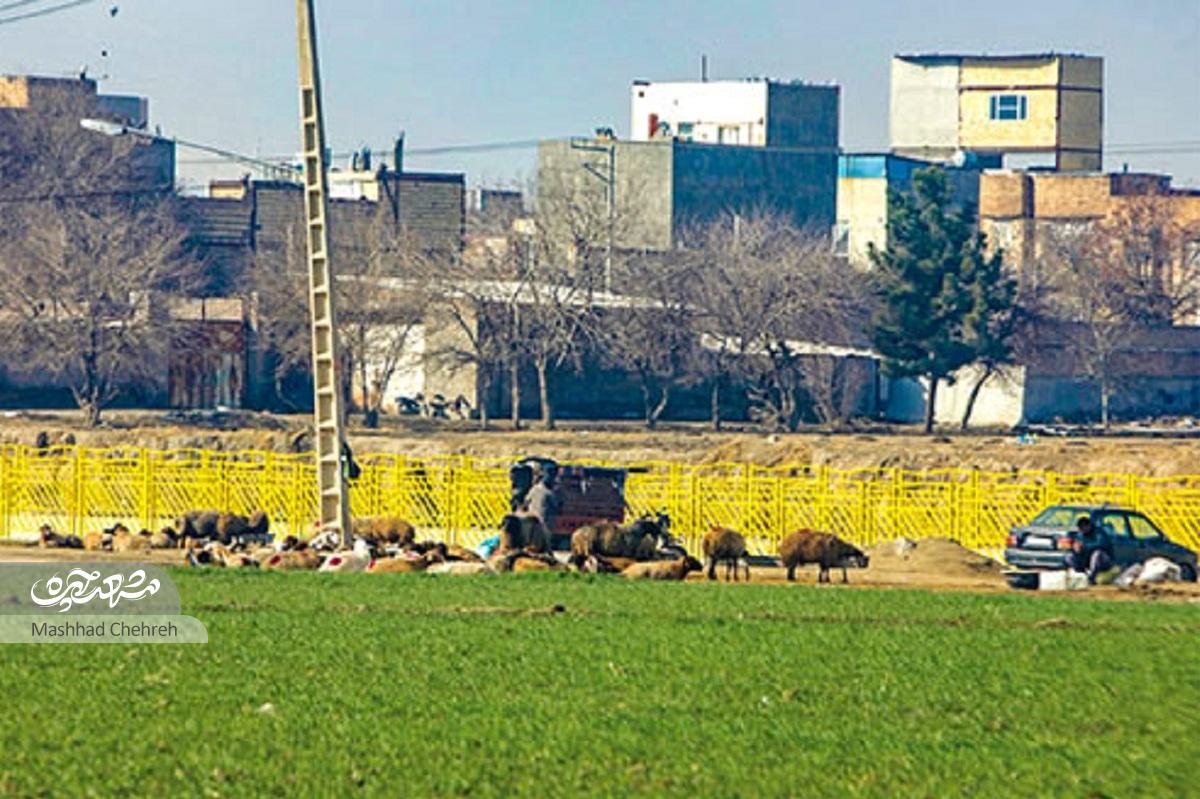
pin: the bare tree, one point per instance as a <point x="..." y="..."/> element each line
<point x="381" y="303"/>
<point x="90" y="232"/>
<point x="478" y="299"/>
<point x="1111" y="279"/>
<point x="651" y="332"/>
<point x="277" y="286"/>
<point x="769" y="296"/>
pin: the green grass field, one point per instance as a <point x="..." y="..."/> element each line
<point x="418" y="685"/>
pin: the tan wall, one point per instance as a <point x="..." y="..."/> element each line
<point x="862" y="207"/>
<point x="1070" y="196"/>
<point x="1079" y="162"/>
<point x="1039" y="130"/>
<point x="1004" y="194"/>
<point x="992" y="73"/>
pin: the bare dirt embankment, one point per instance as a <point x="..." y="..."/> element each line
<point x="628" y="443"/>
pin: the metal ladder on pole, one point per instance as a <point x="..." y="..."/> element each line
<point x="331" y="481"/>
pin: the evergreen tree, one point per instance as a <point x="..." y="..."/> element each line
<point x="937" y="285"/>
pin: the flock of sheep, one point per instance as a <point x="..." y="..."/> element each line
<point x="641" y="550"/>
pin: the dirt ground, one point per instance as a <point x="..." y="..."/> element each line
<point x="1128" y="452"/>
<point x="934" y="564"/>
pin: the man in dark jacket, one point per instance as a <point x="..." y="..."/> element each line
<point x="1091" y="551"/>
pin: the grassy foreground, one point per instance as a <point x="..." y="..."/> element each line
<point x="324" y="685"/>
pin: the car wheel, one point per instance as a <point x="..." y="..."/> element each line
<point x="1187" y="572"/>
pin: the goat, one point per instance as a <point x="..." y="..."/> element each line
<point x="722" y="545"/>
<point x="663" y="569"/>
<point x="826" y="550"/>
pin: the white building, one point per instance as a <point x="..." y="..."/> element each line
<point x="750" y="112"/>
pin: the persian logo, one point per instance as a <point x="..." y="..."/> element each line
<point x="81" y="587"/>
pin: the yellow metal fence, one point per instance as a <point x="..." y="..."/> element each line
<point x="78" y="489"/>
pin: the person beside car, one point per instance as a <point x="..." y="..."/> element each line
<point x="1091" y="550"/>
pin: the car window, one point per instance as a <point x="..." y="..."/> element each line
<point x="1057" y="517"/>
<point x="1113" y="524"/>
<point x="1142" y="528"/>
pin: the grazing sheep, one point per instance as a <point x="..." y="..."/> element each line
<point x="826" y="550"/>
<point x="638" y="540"/>
<point x="523" y="531"/>
<point x="663" y="569"/>
<point x="384" y="530"/>
<point x="722" y="545"/>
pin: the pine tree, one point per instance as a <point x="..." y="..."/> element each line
<point x="926" y="280"/>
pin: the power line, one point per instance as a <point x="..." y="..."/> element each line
<point x="18" y="4"/>
<point x="42" y="12"/>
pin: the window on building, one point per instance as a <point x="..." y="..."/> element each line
<point x="687" y="130"/>
<point x="1009" y="107"/>
<point x="728" y="134"/>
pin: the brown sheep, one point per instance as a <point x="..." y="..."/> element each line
<point x="663" y="569"/>
<point x="638" y="540"/>
<point x="826" y="550"/>
<point x="524" y="562"/>
<point x="455" y="552"/>
<point x="384" y="530"/>
<point x="722" y="545"/>
<point x="399" y="565"/>
<point x="523" y="532"/>
<point x="94" y="542"/>
<point x="125" y="541"/>
<point x="595" y="564"/>
<point x="164" y="539"/>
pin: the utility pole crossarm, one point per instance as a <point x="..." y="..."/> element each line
<point x="327" y="405"/>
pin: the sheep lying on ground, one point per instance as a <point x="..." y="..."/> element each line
<point x="663" y="569"/>
<point x="48" y="539"/>
<point x="722" y="545"/>
<point x="826" y="550"/>
<point x="293" y="560"/>
<point x="639" y="540"/>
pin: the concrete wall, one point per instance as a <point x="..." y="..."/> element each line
<point x="711" y="180"/>
<point x="924" y="107"/>
<point x="799" y="115"/>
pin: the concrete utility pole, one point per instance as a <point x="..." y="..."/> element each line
<point x="327" y="390"/>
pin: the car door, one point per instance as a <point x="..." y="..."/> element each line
<point x="1116" y="527"/>
<point x="1150" y="540"/>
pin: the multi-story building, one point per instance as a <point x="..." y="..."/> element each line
<point x="762" y="113"/>
<point x="1047" y="105"/>
<point x="1023" y="211"/>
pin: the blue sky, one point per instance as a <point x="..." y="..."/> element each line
<point x="223" y="72"/>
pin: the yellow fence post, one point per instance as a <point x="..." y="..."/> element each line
<point x="77" y="493"/>
<point x="147" y="488"/>
<point x="5" y="489"/>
